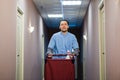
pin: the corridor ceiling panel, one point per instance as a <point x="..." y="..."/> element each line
<point x="73" y="13"/>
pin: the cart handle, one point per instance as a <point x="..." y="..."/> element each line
<point x="59" y="55"/>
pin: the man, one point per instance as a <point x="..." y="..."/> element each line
<point x="63" y="42"/>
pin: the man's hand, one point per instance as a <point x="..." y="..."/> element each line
<point x="50" y="55"/>
<point x="72" y="55"/>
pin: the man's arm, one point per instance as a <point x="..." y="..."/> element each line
<point x="51" y="47"/>
<point x="49" y="50"/>
<point x="76" y="51"/>
<point x="75" y="47"/>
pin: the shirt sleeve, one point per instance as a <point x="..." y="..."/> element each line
<point x="75" y="43"/>
<point x="52" y="42"/>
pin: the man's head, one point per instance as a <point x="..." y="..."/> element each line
<point x="64" y="25"/>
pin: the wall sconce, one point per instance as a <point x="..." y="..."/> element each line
<point x="85" y="37"/>
<point x="31" y="28"/>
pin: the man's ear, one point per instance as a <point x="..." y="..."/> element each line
<point x="68" y="27"/>
<point x="59" y="27"/>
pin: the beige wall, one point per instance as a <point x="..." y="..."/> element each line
<point x="33" y="45"/>
<point x="32" y="50"/>
<point x="90" y="46"/>
<point x="7" y="39"/>
<point x="112" y="40"/>
<point x="112" y="26"/>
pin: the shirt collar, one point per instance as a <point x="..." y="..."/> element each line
<point x="63" y="34"/>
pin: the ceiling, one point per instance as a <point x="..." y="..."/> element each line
<point x="73" y="13"/>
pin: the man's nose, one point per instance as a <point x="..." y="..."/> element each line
<point x="64" y="25"/>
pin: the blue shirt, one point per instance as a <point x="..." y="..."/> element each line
<point x="61" y="43"/>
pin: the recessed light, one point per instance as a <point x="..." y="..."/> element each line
<point x="71" y="2"/>
<point x="55" y="15"/>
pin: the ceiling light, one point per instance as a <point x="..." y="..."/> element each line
<point x="55" y="15"/>
<point x="71" y="2"/>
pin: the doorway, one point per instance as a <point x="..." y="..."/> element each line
<point x="102" y="54"/>
<point x="20" y="45"/>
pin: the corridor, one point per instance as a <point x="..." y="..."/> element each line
<point x="26" y="27"/>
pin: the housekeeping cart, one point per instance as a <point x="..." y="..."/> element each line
<point x="59" y="69"/>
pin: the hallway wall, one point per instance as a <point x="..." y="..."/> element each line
<point x="112" y="29"/>
<point x="90" y="46"/>
<point x="112" y="41"/>
<point x="33" y="42"/>
<point x="7" y="39"/>
<point x="33" y="45"/>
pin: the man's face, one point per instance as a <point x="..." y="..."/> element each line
<point x="64" y="26"/>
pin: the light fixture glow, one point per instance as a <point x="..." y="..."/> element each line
<point x="71" y="2"/>
<point x="85" y="37"/>
<point x="55" y="15"/>
<point x="31" y="28"/>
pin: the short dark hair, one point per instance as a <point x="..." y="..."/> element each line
<point x="64" y="20"/>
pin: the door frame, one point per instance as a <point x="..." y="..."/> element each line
<point x="100" y="7"/>
<point x="20" y="12"/>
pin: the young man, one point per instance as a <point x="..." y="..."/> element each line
<point x="63" y="41"/>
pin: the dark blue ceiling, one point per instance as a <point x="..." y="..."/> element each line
<point x="54" y="23"/>
<point x="73" y="13"/>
